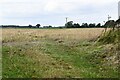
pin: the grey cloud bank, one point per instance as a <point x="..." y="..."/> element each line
<point x="53" y="12"/>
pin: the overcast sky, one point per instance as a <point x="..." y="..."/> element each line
<point x="53" y="12"/>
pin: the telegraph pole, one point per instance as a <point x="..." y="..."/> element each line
<point x="109" y="17"/>
<point x="66" y="19"/>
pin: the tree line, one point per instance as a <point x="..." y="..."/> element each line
<point x="108" y="24"/>
<point x="69" y="24"/>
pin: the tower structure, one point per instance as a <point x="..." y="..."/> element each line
<point x="119" y="9"/>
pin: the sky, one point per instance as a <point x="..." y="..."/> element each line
<point x="54" y="12"/>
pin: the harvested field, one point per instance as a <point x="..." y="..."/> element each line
<point x="54" y="53"/>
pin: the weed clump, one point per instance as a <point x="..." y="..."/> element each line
<point x="110" y="37"/>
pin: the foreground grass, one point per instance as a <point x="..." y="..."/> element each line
<point x="52" y="57"/>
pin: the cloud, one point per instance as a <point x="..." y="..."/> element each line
<point x="48" y="11"/>
<point x="51" y="6"/>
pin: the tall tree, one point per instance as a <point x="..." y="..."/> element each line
<point x="69" y="24"/>
<point x="92" y="25"/>
<point x="84" y="25"/>
<point x="38" y="25"/>
<point x="98" y="25"/>
<point x="76" y="25"/>
<point x="30" y="26"/>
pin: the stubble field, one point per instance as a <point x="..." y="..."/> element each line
<point x="54" y="53"/>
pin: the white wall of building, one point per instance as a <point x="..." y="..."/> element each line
<point x="119" y="9"/>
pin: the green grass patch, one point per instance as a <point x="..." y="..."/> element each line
<point x="54" y="59"/>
